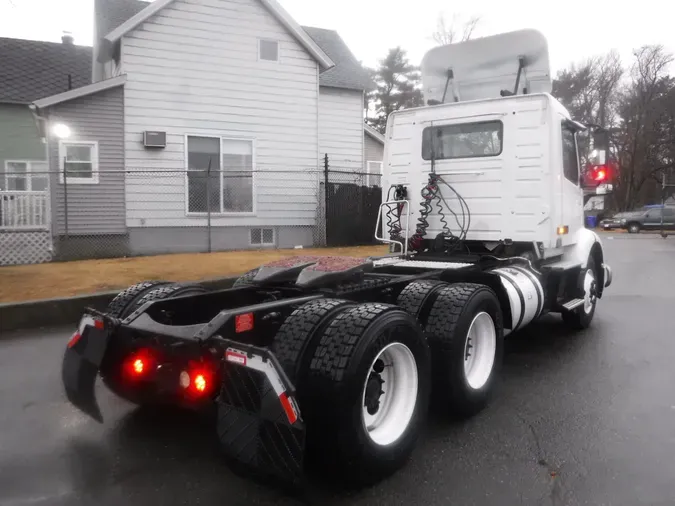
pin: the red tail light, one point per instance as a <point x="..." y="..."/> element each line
<point x="200" y="383"/>
<point x="198" y="380"/>
<point x="138" y="365"/>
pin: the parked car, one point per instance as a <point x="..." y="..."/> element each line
<point x="644" y="219"/>
<point x="617" y="220"/>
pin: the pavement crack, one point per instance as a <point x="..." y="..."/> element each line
<point x="539" y="453"/>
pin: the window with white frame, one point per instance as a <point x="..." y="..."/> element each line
<point x="78" y="161"/>
<point x="268" y="50"/>
<point x="374" y="170"/>
<point x="220" y="175"/>
<point x="262" y="237"/>
<point x="25" y="175"/>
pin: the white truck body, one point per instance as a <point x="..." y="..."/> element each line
<point x="517" y="191"/>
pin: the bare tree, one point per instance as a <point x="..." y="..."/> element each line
<point x="647" y="117"/>
<point x="449" y="32"/>
<point x="590" y="91"/>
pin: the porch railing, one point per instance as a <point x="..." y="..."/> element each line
<point x="24" y="210"/>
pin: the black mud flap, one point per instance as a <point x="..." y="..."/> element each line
<point x="259" y="423"/>
<point x="81" y="363"/>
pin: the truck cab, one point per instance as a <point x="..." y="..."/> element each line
<point x="503" y="148"/>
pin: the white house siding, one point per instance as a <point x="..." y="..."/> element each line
<point x="341" y="128"/>
<point x="374" y="150"/>
<point x="193" y="69"/>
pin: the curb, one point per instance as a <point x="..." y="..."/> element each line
<point x="53" y="312"/>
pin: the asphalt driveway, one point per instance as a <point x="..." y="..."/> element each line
<point x="585" y="418"/>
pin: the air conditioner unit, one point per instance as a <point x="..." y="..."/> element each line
<point x="154" y="139"/>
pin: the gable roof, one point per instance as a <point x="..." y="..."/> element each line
<point x="348" y="72"/>
<point x="31" y="69"/>
<point x="373" y="134"/>
<point x="139" y="12"/>
<point x="116" y="17"/>
<point x="83" y="91"/>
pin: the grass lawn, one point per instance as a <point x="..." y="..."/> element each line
<point x="51" y="280"/>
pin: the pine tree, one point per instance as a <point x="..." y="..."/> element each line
<point x="397" y="87"/>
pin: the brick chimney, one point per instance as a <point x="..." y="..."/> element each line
<point x="67" y="38"/>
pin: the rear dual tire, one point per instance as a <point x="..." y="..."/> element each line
<point x="466" y="337"/>
<point x="365" y="390"/>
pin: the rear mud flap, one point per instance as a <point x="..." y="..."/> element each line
<point x="259" y="424"/>
<point x="81" y="364"/>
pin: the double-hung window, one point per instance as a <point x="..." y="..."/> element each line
<point x="220" y="175"/>
<point x="78" y="161"/>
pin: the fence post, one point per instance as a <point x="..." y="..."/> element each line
<point x="325" y="197"/>
<point x="208" y="205"/>
<point x="65" y="196"/>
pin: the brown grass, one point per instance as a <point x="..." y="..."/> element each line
<point x="45" y="281"/>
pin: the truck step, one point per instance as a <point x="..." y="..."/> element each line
<point x="573" y="304"/>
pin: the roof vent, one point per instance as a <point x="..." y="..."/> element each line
<point x="67" y="38"/>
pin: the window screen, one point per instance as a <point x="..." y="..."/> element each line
<point x="465" y="140"/>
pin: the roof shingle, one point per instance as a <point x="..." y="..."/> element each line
<point x="348" y="72"/>
<point x="30" y="69"/>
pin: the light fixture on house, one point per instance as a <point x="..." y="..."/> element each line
<point x="61" y="131"/>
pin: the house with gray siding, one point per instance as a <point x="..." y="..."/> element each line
<point x="30" y="70"/>
<point x="227" y="105"/>
<point x="373" y="153"/>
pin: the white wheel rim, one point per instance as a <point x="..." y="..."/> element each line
<point x="479" y="350"/>
<point x="589" y="297"/>
<point x="396" y="404"/>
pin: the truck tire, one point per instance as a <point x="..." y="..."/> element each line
<point x="167" y="291"/>
<point x="246" y="279"/>
<point x="127" y="297"/>
<point x="370" y="384"/>
<point x="296" y="341"/>
<point x="581" y="317"/>
<point x="466" y="337"/>
<point x="418" y="296"/>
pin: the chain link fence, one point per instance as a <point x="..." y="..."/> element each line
<point x="109" y="213"/>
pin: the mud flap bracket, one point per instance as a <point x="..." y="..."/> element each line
<point x="259" y="423"/>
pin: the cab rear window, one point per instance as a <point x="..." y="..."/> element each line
<point x="463" y="140"/>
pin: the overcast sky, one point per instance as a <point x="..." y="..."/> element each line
<point x="574" y="28"/>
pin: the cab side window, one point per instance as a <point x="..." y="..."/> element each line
<point x="569" y="155"/>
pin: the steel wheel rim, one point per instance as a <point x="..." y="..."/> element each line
<point x="480" y="349"/>
<point x="399" y="398"/>
<point x="589" y="291"/>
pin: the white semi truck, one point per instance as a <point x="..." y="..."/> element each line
<point x="337" y="359"/>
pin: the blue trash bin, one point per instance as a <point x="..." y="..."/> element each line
<point x="591" y="221"/>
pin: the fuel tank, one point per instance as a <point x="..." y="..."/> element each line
<point x="526" y="294"/>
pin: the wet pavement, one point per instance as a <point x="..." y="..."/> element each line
<point x="586" y="418"/>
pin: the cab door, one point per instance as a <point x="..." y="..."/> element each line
<point x="572" y="193"/>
